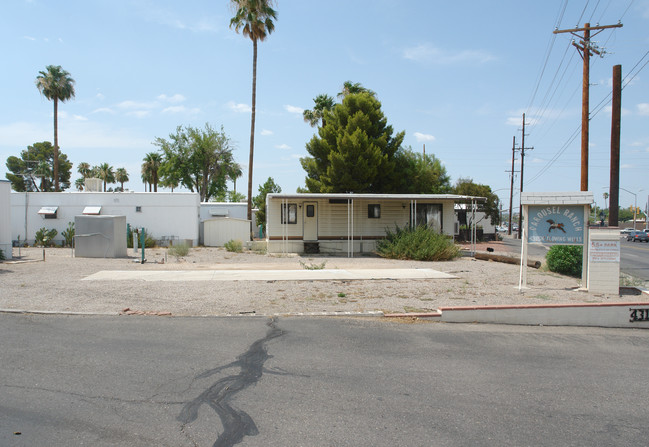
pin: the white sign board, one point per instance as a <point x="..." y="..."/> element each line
<point x="604" y="251"/>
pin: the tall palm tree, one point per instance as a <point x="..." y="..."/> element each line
<point x="121" y="176"/>
<point x="106" y="173"/>
<point x="84" y="169"/>
<point x="316" y="116"/>
<point x="234" y="172"/>
<point x="350" y="87"/>
<point x="254" y="18"/>
<point x="150" y="168"/>
<point x="56" y="85"/>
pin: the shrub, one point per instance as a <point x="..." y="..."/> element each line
<point x="420" y="244"/>
<point x="45" y="237"/>
<point x="565" y="259"/>
<point x="2" y="255"/>
<point x="178" y="250"/>
<point x="68" y="235"/>
<point x="234" y="246"/>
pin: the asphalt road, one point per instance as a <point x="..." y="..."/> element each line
<point x="142" y="381"/>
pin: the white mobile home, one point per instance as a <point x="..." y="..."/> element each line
<point x="352" y="223"/>
<point x="164" y="215"/>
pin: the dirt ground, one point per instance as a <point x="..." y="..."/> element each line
<point x="57" y="284"/>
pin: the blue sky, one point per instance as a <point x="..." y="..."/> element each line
<point x="455" y="76"/>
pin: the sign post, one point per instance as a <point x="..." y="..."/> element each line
<point x="556" y="218"/>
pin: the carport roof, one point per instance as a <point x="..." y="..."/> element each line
<point x="367" y="196"/>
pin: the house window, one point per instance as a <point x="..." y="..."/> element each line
<point x="310" y="210"/>
<point x="373" y="211"/>
<point x="289" y="213"/>
<point x="138" y="209"/>
<point x="429" y="214"/>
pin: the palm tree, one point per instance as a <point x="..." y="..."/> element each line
<point x="350" y="87"/>
<point x="106" y="173"/>
<point x="121" y="176"/>
<point x="314" y="117"/>
<point x="150" y="168"/>
<point x="84" y="169"/>
<point x="80" y="183"/>
<point x="56" y="85"/>
<point x="254" y="18"/>
<point x="234" y="172"/>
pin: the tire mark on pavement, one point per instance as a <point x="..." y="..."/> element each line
<point x="236" y="423"/>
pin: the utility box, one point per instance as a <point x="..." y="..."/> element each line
<point x="100" y="236"/>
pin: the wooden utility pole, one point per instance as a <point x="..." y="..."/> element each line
<point x="520" y="206"/>
<point x="614" y="184"/>
<point x="511" y="188"/>
<point x="586" y="49"/>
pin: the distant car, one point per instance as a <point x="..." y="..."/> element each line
<point x="626" y="231"/>
<point x="640" y="236"/>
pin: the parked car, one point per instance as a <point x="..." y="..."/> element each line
<point x="626" y="230"/>
<point x="640" y="236"/>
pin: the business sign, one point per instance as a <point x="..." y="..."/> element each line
<point x="555" y="224"/>
<point x="604" y="251"/>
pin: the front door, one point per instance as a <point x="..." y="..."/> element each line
<point x="310" y="221"/>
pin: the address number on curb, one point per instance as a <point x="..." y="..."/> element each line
<point x="638" y="315"/>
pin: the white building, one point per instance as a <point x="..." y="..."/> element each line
<point x="5" y="218"/>
<point x="163" y="215"/>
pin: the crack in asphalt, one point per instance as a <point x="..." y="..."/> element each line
<point x="236" y="423"/>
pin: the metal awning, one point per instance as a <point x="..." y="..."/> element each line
<point x="92" y="210"/>
<point x="48" y="210"/>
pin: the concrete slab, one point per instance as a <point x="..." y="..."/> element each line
<point x="267" y="275"/>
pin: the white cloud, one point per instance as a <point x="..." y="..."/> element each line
<point x="137" y="104"/>
<point x="293" y="109"/>
<point x="104" y="110"/>
<point x="239" y="108"/>
<point x="100" y="97"/>
<point x="430" y="54"/>
<point x="174" y="99"/>
<point x="29" y="38"/>
<point x="282" y="146"/>
<point x="79" y="118"/>
<point x="138" y="113"/>
<point x="181" y="109"/>
<point x="643" y="108"/>
<point x="266" y="132"/>
<point x="422" y="137"/>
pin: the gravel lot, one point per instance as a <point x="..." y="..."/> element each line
<point x="31" y="284"/>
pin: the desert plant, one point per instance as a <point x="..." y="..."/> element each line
<point x="178" y="250"/>
<point x="235" y="246"/>
<point x="45" y="237"/>
<point x="420" y="243"/>
<point x="312" y="266"/>
<point x="68" y="235"/>
<point x="565" y="259"/>
<point x="2" y="255"/>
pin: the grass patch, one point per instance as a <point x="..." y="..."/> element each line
<point x="234" y="246"/>
<point x="312" y="266"/>
<point x="179" y="250"/>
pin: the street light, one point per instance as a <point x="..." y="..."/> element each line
<point x="635" y="202"/>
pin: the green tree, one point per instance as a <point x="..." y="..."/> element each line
<point x="466" y="187"/>
<point x="150" y="170"/>
<point x="354" y="151"/>
<point x="199" y="159"/>
<point x="416" y="173"/>
<point x="121" y="176"/>
<point x="315" y="117"/>
<point x="234" y="172"/>
<point x="260" y="199"/>
<point x="254" y="18"/>
<point x="80" y="183"/>
<point x="56" y="85"/>
<point x="105" y="172"/>
<point x="33" y="171"/>
<point x="84" y="169"/>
